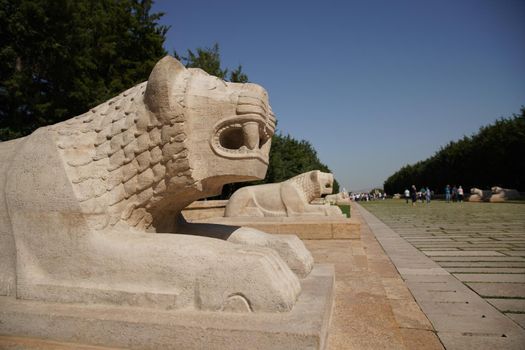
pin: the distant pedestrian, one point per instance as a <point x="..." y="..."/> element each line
<point x="407" y="194"/>
<point x="460" y="194"/>
<point x="454" y="193"/>
<point x="427" y="195"/>
<point x="413" y="193"/>
<point x="447" y="193"/>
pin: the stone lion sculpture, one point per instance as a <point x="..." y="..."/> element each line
<point x="338" y="198"/>
<point x="478" y="195"/>
<point x="91" y="204"/>
<point x="289" y="198"/>
<point x="503" y="194"/>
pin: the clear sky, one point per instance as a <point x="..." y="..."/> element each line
<point x="372" y="84"/>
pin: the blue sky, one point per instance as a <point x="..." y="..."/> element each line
<point x="375" y="84"/>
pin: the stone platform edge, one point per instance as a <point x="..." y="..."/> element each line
<point x="305" y="327"/>
<point x="304" y="228"/>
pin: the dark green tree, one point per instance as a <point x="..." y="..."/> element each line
<point x="491" y="157"/>
<point x="209" y="60"/>
<point x="59" y="58"/>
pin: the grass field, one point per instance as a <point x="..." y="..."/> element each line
<point x="345" y="209"/>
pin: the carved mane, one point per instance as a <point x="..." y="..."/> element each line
<point x="136" y="145"/>
<point x="309" y="183"/>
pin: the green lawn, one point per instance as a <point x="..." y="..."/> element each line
<point x="345" y="209"/>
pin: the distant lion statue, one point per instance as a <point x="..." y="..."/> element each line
<point x="500" y="194"/>
<point x="338" y="198"/>
<point x="90" y="205"/>
<point x="289" y="198"/>
<point x="478" y="195"/>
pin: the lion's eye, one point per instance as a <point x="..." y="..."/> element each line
<point x="232" y="138"/>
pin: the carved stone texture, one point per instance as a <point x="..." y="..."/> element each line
<point x="289" y="198"/>
<point x="91" y="204"/>
<point x="503" y="194"/>
<point x="338" y="198"/>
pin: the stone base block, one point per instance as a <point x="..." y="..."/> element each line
<point x="305" y="327"/>
<point x="304" y="228"/>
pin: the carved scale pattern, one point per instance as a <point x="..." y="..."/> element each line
<point x="120" y="158"/>
<point x="310" y="189"/>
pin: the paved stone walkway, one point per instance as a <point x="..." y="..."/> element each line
<point x="373" y="307"/>
<point x="474" y="247"/>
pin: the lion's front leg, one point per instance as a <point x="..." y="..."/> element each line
<point x="289" y="247"/>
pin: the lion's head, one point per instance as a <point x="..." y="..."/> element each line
<point x="314" y="183"/>
<point x="142" y="156"/>
<point x="326" y="182"/>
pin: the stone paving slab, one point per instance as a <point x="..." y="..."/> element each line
<point x="482" y="264"/>
<point x="488" y="270"/>
<point x="507" y="290"/>
<point x="491" y="278"/>
<point x="374" y="309"/>
<point x="460" y="316"/>
<point x="508" y="305"/>
<point x="518" y="318"/>
<point x="19" y="343"/>
<point x="462" y="253"/>
<point x="480" y="341"/>
<point x="476" y="259"/>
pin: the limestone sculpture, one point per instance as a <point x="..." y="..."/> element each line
<point x="338" y="198"/>
<point x="91" y="204"/>
<point x="478" y="195"/>
<point x="289" y="198"/>
<point x="503" y="194"/>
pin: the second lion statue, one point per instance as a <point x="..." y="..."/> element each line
<point x="91" y="204"/>
<point x="288" y="198"/>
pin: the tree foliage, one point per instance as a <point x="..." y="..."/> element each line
<point x="491" y="157"/>
<point x="209" y="60"/>
<point x="59" y="58"/>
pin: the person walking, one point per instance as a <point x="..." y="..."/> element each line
<point x="447" y="193"/>
<point x="413" y="193"/>
<point x="407" y="194"/>
<point x="427" y="195"/>
<point x="460" y="194"/>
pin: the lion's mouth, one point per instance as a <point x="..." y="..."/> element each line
<point x="243" y="137"/>
<point x="248" y="134"/>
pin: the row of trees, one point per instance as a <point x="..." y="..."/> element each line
<point x="492" y="156"/>
<point x="60" y="58"/>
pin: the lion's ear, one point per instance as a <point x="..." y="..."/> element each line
<point x="161" y="83"/>
<point x="315" y="176"/>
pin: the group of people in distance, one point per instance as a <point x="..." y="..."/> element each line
<point x="424" y="194"/>
<point x="454" y="194"/>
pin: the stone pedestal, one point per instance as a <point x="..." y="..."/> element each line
<point x="303" y="227"/>
<point x="305" y="327"/>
